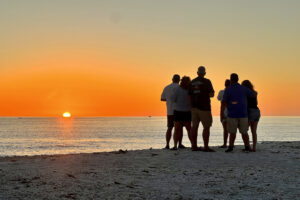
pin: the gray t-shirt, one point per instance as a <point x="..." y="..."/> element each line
<point x="181" y="100"/>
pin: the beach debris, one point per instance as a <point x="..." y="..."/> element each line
<point x="69" y="196"/>
<point x="154" y="154"/>
<point x="70" y="175"/>
<point x="145" y="171"/>
<point x="35" y="178"/>
<point x="117" y="183"/>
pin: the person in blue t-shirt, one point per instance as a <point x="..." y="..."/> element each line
<point x="235" y="99"/>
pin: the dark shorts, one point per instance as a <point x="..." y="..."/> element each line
<point x="182" y="116"/>
<point x="170" y="121"/>
<point x="253" y="115"/>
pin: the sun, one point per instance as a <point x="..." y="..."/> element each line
<point x="66" y="114"/>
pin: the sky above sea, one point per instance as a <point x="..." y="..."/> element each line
<point x="114" y="57"/>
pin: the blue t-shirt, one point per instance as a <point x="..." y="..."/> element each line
<point x="236" y="98"/>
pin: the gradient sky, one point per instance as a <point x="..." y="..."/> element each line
<point x="113" y="58"/>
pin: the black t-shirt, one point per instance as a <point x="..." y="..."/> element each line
<point x="199" y="92"/>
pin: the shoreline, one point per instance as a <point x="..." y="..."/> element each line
<point x="270" y="173"/>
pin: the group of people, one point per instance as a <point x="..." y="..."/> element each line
<point x="188" y="103"/>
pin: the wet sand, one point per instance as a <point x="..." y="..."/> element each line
<point x="273" y="172"/>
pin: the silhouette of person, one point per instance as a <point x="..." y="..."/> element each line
<point x="182" y="111"/>
<point x="167" y="96"/>
<point x="224" y="123"/>
<point x="235" y="99"/>
<point x="253" y="113"/>
<point x="201" y="90"/>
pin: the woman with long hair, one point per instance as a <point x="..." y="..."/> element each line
<point x="253" y="113"/>
<point x="182" y="111"/>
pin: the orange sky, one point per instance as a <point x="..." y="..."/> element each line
<point x="111" y="58"/>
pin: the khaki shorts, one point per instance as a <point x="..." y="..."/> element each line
<point x="237" y="123"/>
<point x="204" y="117"/>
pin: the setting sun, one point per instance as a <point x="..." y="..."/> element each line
<point x="67" y="114"/>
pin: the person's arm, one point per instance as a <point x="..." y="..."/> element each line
<point x="251" y="93"/>
<point x="219" y="97"/>
<point x="212" y="91"/>
<point x="223" y="106"/>
<point x="163" y="95"/>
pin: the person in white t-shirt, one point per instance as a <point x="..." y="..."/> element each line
<point x="224" y="122"/>
<point x="182" y="111"/>
<point x="167" y="95"/>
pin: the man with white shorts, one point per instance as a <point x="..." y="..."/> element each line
<point x="235" y="99"/>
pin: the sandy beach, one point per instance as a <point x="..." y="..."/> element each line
<point x="273" y="172"/>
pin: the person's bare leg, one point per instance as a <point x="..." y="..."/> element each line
<point x="225" y="135"/>
<point x="194" y="134"/>
<point x="188" y="129"/>
<point x="205" y="136"/>
<point x="181" y="136"/>
<point x="232" y="137"/>
<point x="253" y="126"/>
<point x="245" y="138"/>
<point x="176" y="135"/>
<point x="168" y="136"/>
<point x="181" y="146"/>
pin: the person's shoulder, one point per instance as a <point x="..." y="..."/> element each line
<point x="206" y="80"/>
<point x="169" y="85"/>
<point x="228" y="89"/>
<point x="195" y="79"/>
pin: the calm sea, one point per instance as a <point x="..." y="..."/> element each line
<point x="37" y="136"/>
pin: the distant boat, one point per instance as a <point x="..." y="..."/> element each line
<point x="149" y="116"/>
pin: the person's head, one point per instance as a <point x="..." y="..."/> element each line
<point x="201" y="71"/>
<point x="248" y="84"/>
<point x="176" y="78"/>
<point x="234" y="78"/>
<point x="227" y="83"/>
<point x="185" y="82"/>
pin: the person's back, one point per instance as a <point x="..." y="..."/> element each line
<point x="236" y="98"/>
<point x="220" y="95"/>
<point x="167" y="94"/>
<point x="181" y="100"/>
<point x="200" y="93"/>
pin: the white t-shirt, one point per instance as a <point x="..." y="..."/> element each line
<point x="220" y="95"/>
<point x="181" y="100"/>
<point x="167" y="94"/>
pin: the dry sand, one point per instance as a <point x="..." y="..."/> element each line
<point x="270" y="173"/>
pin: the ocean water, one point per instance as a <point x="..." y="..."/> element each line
<point x="40" y="136"/>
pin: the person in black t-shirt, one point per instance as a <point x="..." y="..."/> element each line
<point x="200" y="92"/>
<point x="253" y="113"/>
